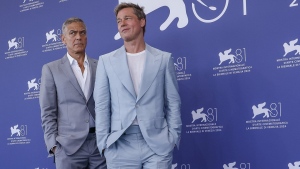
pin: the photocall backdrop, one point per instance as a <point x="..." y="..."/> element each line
<point x="237" y="64"/>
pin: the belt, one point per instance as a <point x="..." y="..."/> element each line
<point x="92" y="130"/>
<point x="133" y="129"/>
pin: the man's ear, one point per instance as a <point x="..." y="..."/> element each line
<point x="143" y="22"/>
<point x="63" y="38"/>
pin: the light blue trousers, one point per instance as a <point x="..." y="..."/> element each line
<point x="131" y="151"/>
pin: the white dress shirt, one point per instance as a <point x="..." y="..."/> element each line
<point x="83" y="79"/>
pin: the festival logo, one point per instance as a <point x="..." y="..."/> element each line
<point x="232" y="62"/>
<point x="28" y="0"/>
<point x="53" y="41"/>
<point x="228" y="56"/>
<point x="266" y="116"/>
<point x="33" y="89"/>
<point x="28" y="5"/>
<point x="176" y="7"/>
<point x="16" y="47"/>
<point x="204" y="121"/>
<point x="14" y="130"/>
<point x="12" y="43"/>
<point x="234" y="165"/>
<point x="205" y="11"/>
<point x="18" y="135"/>
<point x="295" y="165"/>
<point x="181" y="166"/>
<point x="230" y="166"/>
<point x="214" y="12"/>
<point x="199" y="115"/>
<point x="291" y="56"/>
<point x="33" y="84"/>
<point x="291" y="47"/>
<point x="180" y="65"/>
<point x="294" y="3"/>
<point x="51" y="36"/>
<point x="259" y="109"/>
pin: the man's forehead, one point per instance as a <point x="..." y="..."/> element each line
<point x="129" y="12"/>
<point x="126" y="15"/>
<point x="75" y="27"/>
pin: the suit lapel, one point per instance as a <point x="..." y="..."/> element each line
<point x="152" y="65"/>
<point x="66" y="67"/>
<point x="120" y="65"/>
<point x="93" y="66"/>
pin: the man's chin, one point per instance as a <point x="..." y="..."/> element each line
<point x="127" y="39"/>
<point x="79" y="51"/>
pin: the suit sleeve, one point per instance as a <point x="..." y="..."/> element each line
<point x="102" y="105"/>
<point x="172" y="102"/>
<point x="48" y="105"/>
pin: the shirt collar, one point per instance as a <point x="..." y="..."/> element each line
<point x="72" y="60"/>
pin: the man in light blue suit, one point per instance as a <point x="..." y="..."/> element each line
<point x="137" y="104"/>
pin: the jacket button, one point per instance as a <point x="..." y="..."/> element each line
<point x="86" y="121"/>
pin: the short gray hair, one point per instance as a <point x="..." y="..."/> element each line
<point x="72" y="20"/>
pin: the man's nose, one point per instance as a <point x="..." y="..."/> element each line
<point x="122" y="23"/>
<point x="78" y="36"/>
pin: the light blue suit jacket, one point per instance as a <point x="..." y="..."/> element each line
<point x="157" y="107"/>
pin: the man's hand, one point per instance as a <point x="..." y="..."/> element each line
<point x="53" y="150"/>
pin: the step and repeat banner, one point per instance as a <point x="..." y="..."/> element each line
<point x="237" y="64"/>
